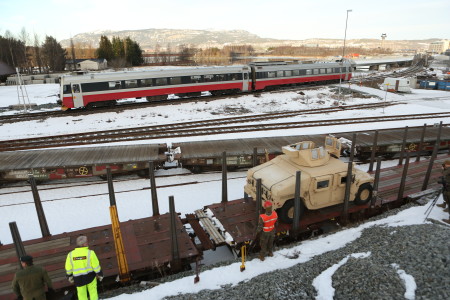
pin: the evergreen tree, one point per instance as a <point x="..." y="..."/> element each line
<point x="118" y="47"/>
<point x="105" y="49"/>
<point x="11" y="50"/>
<point x="53" y="55"/>
<point x="133" y="52"/>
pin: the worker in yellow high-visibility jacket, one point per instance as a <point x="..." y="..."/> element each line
<point x="83" y="269"/>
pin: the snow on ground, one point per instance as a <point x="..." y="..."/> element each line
<point x="418" y="102"/>
<point x="133" y="201"/>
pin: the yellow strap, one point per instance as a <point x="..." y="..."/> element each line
<point x="124" y="274"/>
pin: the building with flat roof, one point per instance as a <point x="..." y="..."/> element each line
<point x="439" y="47"/>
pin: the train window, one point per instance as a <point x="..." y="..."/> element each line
<point x="271" y="74"/>
<point x="131" y="83"/>
<point x="235" y="76"/>
<point x="208" y="78"/>
<point x="147" y="82"/>
<point x="314" y="154"/>
<point x="338" y="145"/>
<point x="185" y="79"/>
<point x="316" y="71"/>
<point x="175" y="80"/>
<point x="66" y="89"/>
<point x="245" y="76"/>
<point x="114" y="85"/>
<point x="323" y="71"/>
<point x="288" y="73"/>
<point x="329" y="70"/>
<point x="337" y="70"/>
<point x="296" y="72"/>
<point x="328" y="141"/>
<point x="308" y="72"/>
<point x="280" y="73"/>
<point x="343" y="180"/>
<point x="221" y="77"/>
<point x="196" y="78"/>
<point x="94" y="86"/>
<point x="75" y="88"/>
<point x="261" y="75"/>
<point x="323" y="184"/>
<point x="161" y="81"/>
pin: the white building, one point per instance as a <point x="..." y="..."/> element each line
<point x="439" y="47"/>
<point x="87" y="64"/>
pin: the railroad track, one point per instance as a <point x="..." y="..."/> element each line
<point x="412" y="70"/>
<point x="199" y="128"/>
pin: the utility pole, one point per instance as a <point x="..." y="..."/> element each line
<point x="343" y="54"/>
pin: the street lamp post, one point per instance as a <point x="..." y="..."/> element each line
<point x="343" y="53"/>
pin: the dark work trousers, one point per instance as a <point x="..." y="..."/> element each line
<point x="266" y="242"/>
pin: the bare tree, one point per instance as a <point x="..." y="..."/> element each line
<point x="37" y="52"/>
<point x="25" y="38"/>
<point x="72" y="48"/>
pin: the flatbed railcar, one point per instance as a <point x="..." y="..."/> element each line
<point x="104" y="89"/>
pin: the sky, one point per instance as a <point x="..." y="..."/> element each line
<point x="283" y="19"/>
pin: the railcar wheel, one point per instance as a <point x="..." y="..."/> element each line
<point x="364" y="194"/>
<point x="286" y="212"/>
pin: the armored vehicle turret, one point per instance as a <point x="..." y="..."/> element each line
<point x="323" y="179"/>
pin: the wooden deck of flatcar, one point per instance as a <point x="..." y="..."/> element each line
<point x="238" y="217"/>
<point x="147" y="245"/>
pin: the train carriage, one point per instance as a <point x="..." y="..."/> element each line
<point x="269" y="75"/>
<point x="99" y="89"/>
<point x="103" y="89"/>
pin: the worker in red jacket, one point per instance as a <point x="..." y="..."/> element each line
<point x="266" y="229"/>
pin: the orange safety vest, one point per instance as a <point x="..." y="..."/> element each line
<point x="269" y="221"/>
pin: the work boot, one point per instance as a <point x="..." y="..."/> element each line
<point x="270" y="254"/>
<point x="442" y="205"/>
<point x="261" y="257"/>
<point x="446" y="221"/>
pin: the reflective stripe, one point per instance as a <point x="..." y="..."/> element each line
<point x="80" y="262"/>
<point x="269" y="221"/>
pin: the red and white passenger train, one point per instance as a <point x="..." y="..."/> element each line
<point x="100" y="89"/>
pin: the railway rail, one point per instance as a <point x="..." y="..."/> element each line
<point x="196" y="128"/>
<point x="370" y="79"/>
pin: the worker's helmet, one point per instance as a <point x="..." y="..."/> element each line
<point x="267" y="204"/>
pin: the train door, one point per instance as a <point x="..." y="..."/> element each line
<point x="347" y="73"/>
<point x="77" y="95"/>
<point x="245" y="80"/>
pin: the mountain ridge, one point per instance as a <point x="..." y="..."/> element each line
<point x="152" y="38"/>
